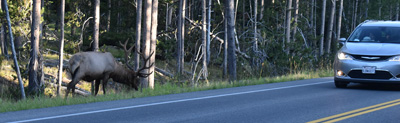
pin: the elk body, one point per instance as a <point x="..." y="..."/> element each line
<point x="89" y="66"/>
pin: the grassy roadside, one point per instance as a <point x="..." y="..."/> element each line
<point x="165" y="89"/>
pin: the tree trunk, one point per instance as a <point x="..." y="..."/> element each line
<point x="204" y="38"/>
<point x="262" y="10"/>
<point x="355" y="15"/>
<point x="314" y="21"/>
<point x="60" y="70"/>
<point x="153" y="41"/>
<point x="321" y="41"/>
<point x="147" y="36"/>
<point x="5" y="8"/>
<point x="109" y="15"/>
<point x="288" y="18"/>
<point x="138" y="32"/>
<point x="34" y="82"/>
<point x="366" y="9"/>
<point x="225" y="64"/>
<point x="4" y="33"/>
<point x="255" y="42"/>
<point x="380" y="9"/>
<point x="330" y="29"/>
<point x="166" y="17"/>
<point x="231" y="40"/>
<point x="181" y="37"/>
<point x="296" y="15"/>
<point x="2" y="41"/>
<point x="208" y="30"/>
<point x="1" y="33"/>
<point x="96" y="25"/>
<point x="397" y="11"/>
<point x="339" y="19"/>
<point x="119" y="21"/>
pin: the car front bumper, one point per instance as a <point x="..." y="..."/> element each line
<point x="386" y="71"/>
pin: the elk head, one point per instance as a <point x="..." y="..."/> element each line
<point x="136" y="74"/>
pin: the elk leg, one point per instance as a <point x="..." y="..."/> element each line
<point x="71" y="85"/>
<point x="105" y="80"/>
<point x="97" y="85"/>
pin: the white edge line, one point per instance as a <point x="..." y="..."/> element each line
<point x="166" y="102"/>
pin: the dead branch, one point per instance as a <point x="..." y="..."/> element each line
<point x="163" y="72"/>
<point x="199" y="26"/>
<point x="83" y="29"/>
<point x="219" y="39"/>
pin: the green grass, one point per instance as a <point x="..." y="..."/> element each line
<point x="165" y="89"/>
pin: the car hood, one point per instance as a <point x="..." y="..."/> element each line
<point x="384" y="49"/>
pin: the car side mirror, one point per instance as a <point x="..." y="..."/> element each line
<point x="342" y="41"/>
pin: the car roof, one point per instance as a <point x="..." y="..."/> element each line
<point x="380" y="23"/>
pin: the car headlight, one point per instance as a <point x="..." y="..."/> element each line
<point x="344" y="56"/>
<point x="395" y="58"/>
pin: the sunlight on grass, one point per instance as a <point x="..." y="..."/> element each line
<point x="165" y="89"/>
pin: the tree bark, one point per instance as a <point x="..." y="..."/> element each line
<point x="96" y="25"/>
<point x="109" y="15"/>
<point x="147" y="36"/>
<point x="208" y="29"/>
<point x="138" y="32"/>
<point x="288" y="18"/>
<point x="355" y="15"/>
<point x="339" y="19"/>
<point x="366" y="10"/>
<point x="35" y="83"/>
<point x="2" y="41"/>
<point x="204" y="38"/>
<point x="296" y="15"/>
<point x="181" y="37"/>
<point x="330" y="29"/>
<point x="60" y="70"/>
<point x="153" y="41"/>
<point x="255" y="41"/>
<point x="4" y="33"/>
<point x="225" y="64"/>
<point x="262" y="9"/>
<point x="380" y="9"/>
<point x="397" y="11"/>
<point x="321" y="41"/>
<point x="231" y="40"/>
<point x="21" y="84"/>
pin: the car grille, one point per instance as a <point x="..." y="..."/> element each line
<point x="377" y="75"/>
<point x="370" y="58"/>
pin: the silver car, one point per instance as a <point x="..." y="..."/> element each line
<point x="370" y="55"/>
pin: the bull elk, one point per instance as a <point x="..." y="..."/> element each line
<point x="89" y="66"/>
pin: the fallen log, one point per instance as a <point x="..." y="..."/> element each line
<point x="163" y="72"/>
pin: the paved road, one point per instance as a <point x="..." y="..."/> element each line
<point x="288" y="102"/>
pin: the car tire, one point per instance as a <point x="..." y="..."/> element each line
<point x="340" y="84"/>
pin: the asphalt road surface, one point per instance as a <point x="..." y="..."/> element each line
<point x="313" y="100"/>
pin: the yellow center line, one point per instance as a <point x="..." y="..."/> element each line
<point x="361" y="113"/>
<point x="357" y="110"/>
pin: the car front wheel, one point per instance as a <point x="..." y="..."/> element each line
<point x="340" y="84"/>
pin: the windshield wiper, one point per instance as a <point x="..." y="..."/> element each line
<point x="353" y="41"/>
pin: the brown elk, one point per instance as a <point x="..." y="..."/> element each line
<point x="89" y="66"/>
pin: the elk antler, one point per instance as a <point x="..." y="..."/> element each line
<point x="144" y="64"/>
<point x="127" y="52"/>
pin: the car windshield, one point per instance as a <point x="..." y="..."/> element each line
<point x="376" y="34"/>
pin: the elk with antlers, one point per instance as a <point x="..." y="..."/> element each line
<point x="89" y="66"/>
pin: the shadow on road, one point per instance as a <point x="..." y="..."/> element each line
<point x="374" y="86"/>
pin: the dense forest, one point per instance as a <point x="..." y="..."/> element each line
<point x="194" y="41"/>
